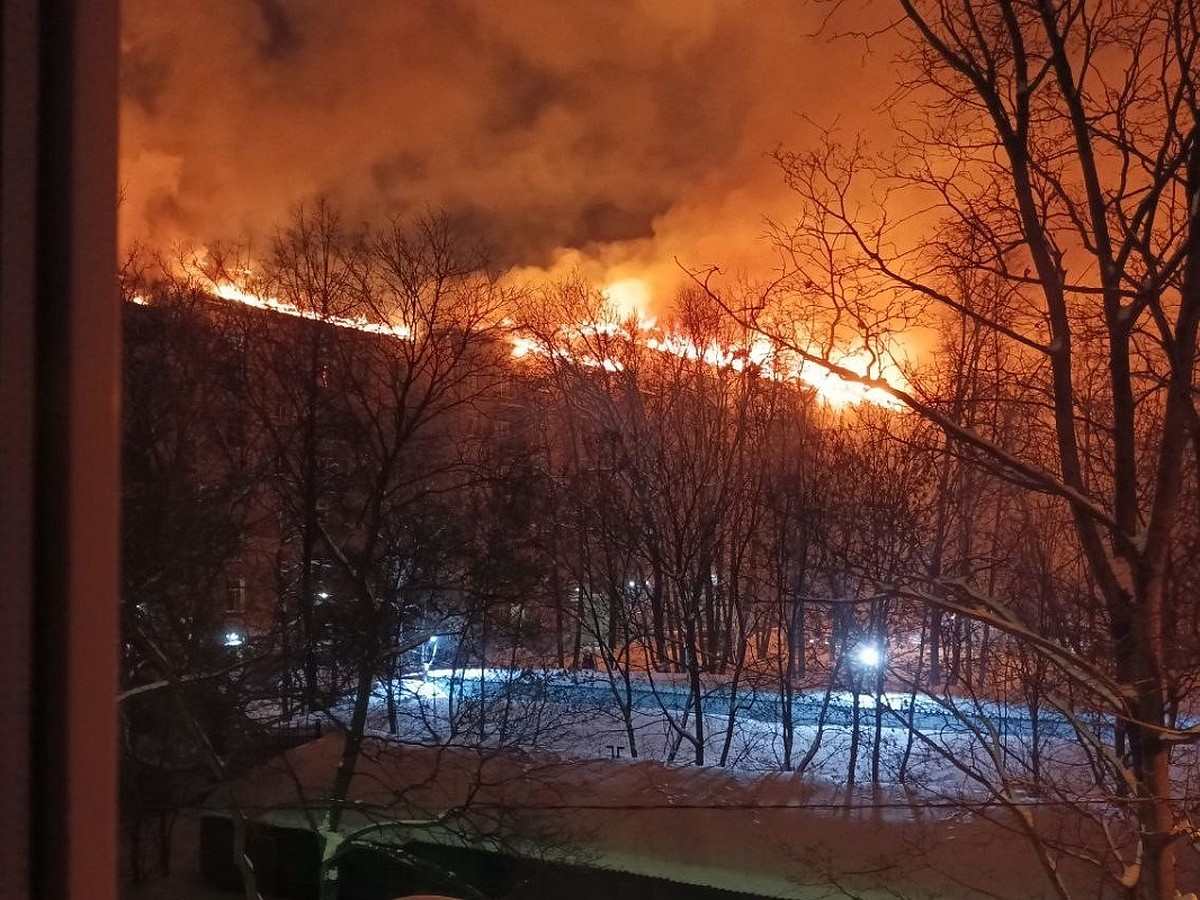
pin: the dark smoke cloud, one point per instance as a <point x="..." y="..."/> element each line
<point x="622" y="132"/>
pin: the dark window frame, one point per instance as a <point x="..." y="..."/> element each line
<point x="59" y="448"/>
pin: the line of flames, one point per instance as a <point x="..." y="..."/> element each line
<point x="761" y="354"/>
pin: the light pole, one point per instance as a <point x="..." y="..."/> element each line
<point x="427" y="664"/>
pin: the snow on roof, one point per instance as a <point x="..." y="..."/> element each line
<point x="777" y="835"/>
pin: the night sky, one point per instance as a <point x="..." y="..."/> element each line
<point x="613" y="136"/>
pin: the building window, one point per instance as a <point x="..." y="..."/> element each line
<point x="235" y="596"/>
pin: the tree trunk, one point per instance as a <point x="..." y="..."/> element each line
<point x="329" y="836"/>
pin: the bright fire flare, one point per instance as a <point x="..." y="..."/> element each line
<point x="629" y="298"/>
<point x="837" y="391"/>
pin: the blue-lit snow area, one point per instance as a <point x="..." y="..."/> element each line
<point x="952" y="746"/>
<point x="544" y="758"/>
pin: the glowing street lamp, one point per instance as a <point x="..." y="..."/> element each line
<point x="869" y="656"/>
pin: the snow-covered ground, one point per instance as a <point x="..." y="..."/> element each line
<point x="548" y="757"/>
<point x="956" y="746"/>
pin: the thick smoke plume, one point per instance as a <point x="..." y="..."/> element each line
<point x="615" y="136"/>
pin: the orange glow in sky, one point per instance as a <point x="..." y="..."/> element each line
<point x="626" y="141"/>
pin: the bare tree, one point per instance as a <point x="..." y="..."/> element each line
<point x="405" y="383"/>
<point x="1062" y="138"/>
<point x="660" y="433"/>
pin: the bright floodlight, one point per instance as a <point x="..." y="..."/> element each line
<point x="233" y="639"/>
<point x="869" y="655"/>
